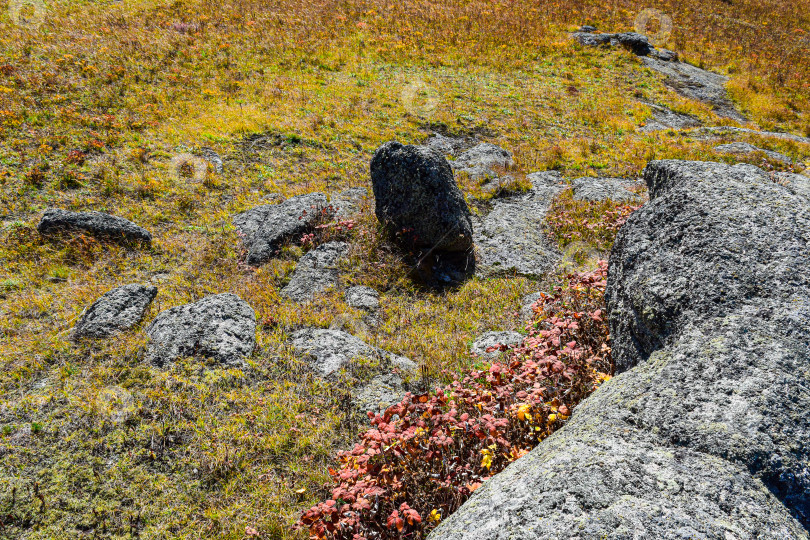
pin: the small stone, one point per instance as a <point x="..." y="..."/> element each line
<point x="221" y="326"/>
<point x="600" y="189"/>
<point x="484" y="160"/>
<point x="115" y="311"/>
<point x="364" y="298"/>
<point x="494" y="339"/>
<point x="317" y="271"/>
<point x="96" y="224"/>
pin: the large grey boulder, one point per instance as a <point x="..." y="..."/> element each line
<point x="115" y="311"/>
<point x="511" y="238"/>
<point x="364" y="298"/>
<point x="483" y="160"/>
<point x="317" y="271"/>
<point x="417" y="198"/>
<point x="704" y="433"/>
<point x="264" y="229"/>
<point x="494" y="339"/>
<point x="600" y="189"/>
<point x="743" y="148"/>
<point x="330" y="350"/>
<point x="221" y="326"/>
<point x="636" y="43"/>
<point x="97" y="224"/>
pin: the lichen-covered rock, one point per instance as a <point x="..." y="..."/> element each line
<point x="450" y="146"/>
<point x="330" y="350"/>
<point x="483" y="160"/>
<point x="743" y="148"/>
<point x="317" y="271"/>
<point x="379" y="394"/>
<point x="665" y="118"/>
<point x="494" y="339"/>
<point x="527" y="305"/>
<point x="221" y="326"/>
<point x="347" y="203"/>
<point x="115" y="311"/>
<point x="704" y="432"/>
<point x="600" y="189"/>
<point x="417" y="198"/>
<point x="97" y="224"/>
<point x="363" y="298"/>
<point x="264" y="229"/>
<point x="511" y="238"/>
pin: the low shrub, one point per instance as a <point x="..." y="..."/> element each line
<point x="424" y="456"/>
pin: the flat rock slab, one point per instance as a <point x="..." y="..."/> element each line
<point x="331" y="350"/>
<point x="317" y="271"/>
<point x="364" y="298"/>
<point x="96" y="224"/>
<point x="483" y="160"/>
<point x="494" y="339"/>
<point x="379" y="394"/>
<point x="450" y="146"/>
<point x="703" y="433"/>
<point x="264" y="229"/>
<point x="636" y="43"/>
<point x="743" y="148"/>
<point x="115" y="311"/>
<point x="722" y="130"/>
<point x="665" y="118"/>
<point x="698" y="84"/>
<point x="221" y="326"/>
<point x="511" y="237"/>
<point x="600" y="189"/>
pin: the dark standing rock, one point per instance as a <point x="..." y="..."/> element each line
<point x="483" y="160"/>
<point x="97" y="224"/>
<point x="116" y="311"/>
<point x="331" y="350"/>
<point x="264" y="229"/>
<point x="316" y="272"/>
<point x="221" y="326"/>
<point x="511" y="238"/>
<point x="417" y="198"/>
<point x="743" y="148"/>
<point x="704" y="433"/>
<point x="494" y="339"/>
<point x="600" y="189"/>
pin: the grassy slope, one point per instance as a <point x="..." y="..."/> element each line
<point x="96" y="443"/>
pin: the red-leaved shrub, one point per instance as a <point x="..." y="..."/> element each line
<point x="424" y="456"/>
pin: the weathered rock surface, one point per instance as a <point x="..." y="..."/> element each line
<point x="450" y="146"/>
<point x="511" y="237"/>
<point x="664" y="118"/>
<point x="265" y="228"/>
<point x="221" y="326"/>
<point x="743" y="148"/>
<point x="330" y="350"/>
<point x="494" y="339"/>
<point x="347" y="203"/>
<point x="363" y="298"/>
<point x="115" y="311"/>
<point x="212" y="157"/>
<point x="317" y="271"/>
<point x="721" y="130"/>
<point x="483" y="160"/>
<point x="698" y="84"/>
<point x="380" y="393"/>
<point x="527" y="306"/>
<point x="417" y="198"/>
<point x="707" y="435"/>
<point x="600" y="189"/>
<point x="97" y="224"/>
<point x="636" y="43"/>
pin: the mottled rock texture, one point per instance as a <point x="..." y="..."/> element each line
<point x="221" y="326"/>
<point x="96" y="224"/>
<point x="317" y="271"/>
<point x="494" y="339"/>
<point x="115" y="311"/>
<point x="264" y="229"/>
<point x="705" y="432"/>
<point x="418" y="200"/>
